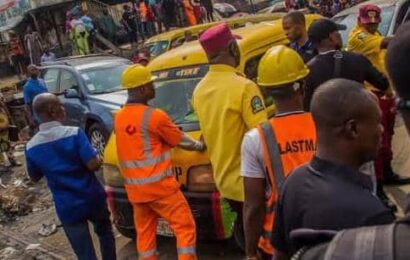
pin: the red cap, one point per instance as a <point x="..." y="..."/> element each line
<point x="217" y="38"/>
<point x="369" y="14"/>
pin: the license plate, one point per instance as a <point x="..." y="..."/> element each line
<point x="163" y="228"/>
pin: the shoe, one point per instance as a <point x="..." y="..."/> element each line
<point x="392" y="178"/>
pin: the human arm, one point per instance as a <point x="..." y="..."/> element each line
<point x="374" y="76"/>
<point x="28" y="101"/>
<point x="33" y="171"/>
<point x="190" y="144"/>
<point x="253" y="108"/>
<point x="87" y="153"/>
<point x="173" y="136"/>
<point x="385" y="42"/>
<point x="253" y="171"/>
<point x="253" y="213"/>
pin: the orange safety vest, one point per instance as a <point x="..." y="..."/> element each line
<point x="295" y="136"/>
<point x="145" y="159"/>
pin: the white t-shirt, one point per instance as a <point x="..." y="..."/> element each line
<point x="252" y="163"/>
<point x="252" y="159"/>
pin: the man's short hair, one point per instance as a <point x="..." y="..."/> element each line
<point x="281" y="93"/>
<point x="398" y="61"/>
<point x="297" y="17"/>
<point x="337" y="100"/>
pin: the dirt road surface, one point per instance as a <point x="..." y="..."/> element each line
<point x="19" y="238"/>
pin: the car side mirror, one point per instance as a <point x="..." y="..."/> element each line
<point x="71" y="93"/>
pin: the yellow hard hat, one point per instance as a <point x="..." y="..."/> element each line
<point x="279" y="66"/>
<point x="136" y="76"/>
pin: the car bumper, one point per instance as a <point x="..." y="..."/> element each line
<point x="212" y="215"/>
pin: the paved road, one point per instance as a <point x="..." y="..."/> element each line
<point x="228" y="251"/>
<point x="25" y="230"/>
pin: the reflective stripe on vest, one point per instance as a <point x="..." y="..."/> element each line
<point x="145" y="131"/>
<point x="155" y="178"/>
<point x="148" y="253"/>
<point x="150" y="161"/>
<point x="273" y="150"/>
<point x="186" y="250"/>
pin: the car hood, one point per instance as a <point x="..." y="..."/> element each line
<point x="114" y="99"/>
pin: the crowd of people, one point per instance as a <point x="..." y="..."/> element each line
<point x="147" y="18"/>
<point x="33" y="50"/>
<point x="303" y="177"/>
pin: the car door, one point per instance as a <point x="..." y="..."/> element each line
<point x="51" y="78"/>
<point x="73" y="104"/>
<point x="403" y="15"/>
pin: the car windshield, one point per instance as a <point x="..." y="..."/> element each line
<point x="350" y="21"/>
<point x="103" y="80"/>
<point x="174" y="97"/>
<point x="157" y="48"/>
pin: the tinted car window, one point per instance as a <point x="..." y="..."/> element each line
<point x="104" y="79"/>
<point x="157" y="48"/>
<point x="51" y="80"/>
<point x="67" y="81"/>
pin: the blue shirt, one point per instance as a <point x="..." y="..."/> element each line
<point x="60" y="153"/>
<point x="32" y="88"/>
<point x="307" y="51"/>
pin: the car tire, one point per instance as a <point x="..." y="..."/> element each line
<point x="239" y="235"/>
<point x="127" y="232"/>
<point x="98" y="137"/>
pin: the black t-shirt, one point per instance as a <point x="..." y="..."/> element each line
<point x="323" y="195"/>
<point x="353" y="66"/>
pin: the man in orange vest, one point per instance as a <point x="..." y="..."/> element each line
<point x="273" y="149"/>
<point x="145" y="137"/>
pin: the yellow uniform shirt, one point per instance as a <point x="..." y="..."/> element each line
<point x="363" y="42"/>
<point x="227" y="105"/>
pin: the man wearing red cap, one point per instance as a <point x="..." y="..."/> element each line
<point x="366" y="39"/>
<point x="227" y="105"/>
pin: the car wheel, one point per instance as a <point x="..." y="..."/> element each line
<point x="239" y="235"/>
<point x="98" y="138"/>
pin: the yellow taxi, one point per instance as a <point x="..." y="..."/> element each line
<point x="178" y="72"/>
<point x="169" y="40"/>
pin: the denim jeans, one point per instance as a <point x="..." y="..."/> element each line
<point x="80" y="239"/>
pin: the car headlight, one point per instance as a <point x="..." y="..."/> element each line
<point x="112" y="175"/>
<point x="201" y="179"/>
